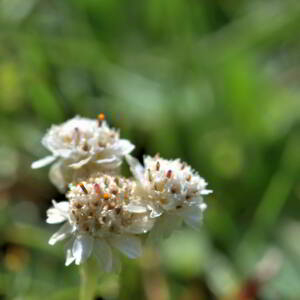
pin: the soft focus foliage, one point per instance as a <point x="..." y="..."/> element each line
<point x="213" y="82"/>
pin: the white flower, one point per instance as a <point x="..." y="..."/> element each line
<point x="172" y="189"/>
<point x="97" y="218"/>
<point x="82" y="142"/>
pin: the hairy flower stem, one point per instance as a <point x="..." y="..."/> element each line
<point x="89" y="274"/>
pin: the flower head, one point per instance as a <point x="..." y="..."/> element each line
<point x="97" y="217"/>
<point x="105" y="211"/>
<point x="82" y="143"/>
<point x="173" y="189"/>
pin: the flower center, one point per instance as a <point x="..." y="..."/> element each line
<point x="98" y="204"/>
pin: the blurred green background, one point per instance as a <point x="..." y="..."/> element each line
<point x="213" y="82"/>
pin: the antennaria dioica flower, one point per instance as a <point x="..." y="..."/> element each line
<point x="106" y="213"/>
<point x="97" y="217"/>
<point x="79" y="146"/>
<point x="172" y="190"/>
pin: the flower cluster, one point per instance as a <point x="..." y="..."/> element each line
<point x="105" y="211"/>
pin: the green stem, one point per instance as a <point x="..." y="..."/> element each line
<point x="88" y="280"/>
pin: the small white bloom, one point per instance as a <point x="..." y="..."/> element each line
<point x="97" y="218"/>
<point x="172" y="189"/>
<point x="82" y="143"/>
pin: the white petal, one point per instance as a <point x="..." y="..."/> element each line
<point x="68" y="249"/>
<point x="55" y="216"/>
<point x="140" y="225"/>
<point x="135" y="208"/>
<point x="206" y="192"/>
<point x="122" y="147"/>
<point x="126" y="147"/>
<point x="57" y="175"/>
<point x="156" y="211"/>
<point x="163" y="228"/>
<point x="82" y="248"/>
<point x="58" y="213"/>
<point x="109" y="164"/>
<point x="69" y="257"/>
<point x="193" y="222"/>
<point x="62" y="206"/>
<point x="203" y="207"/>
<point x="136" y="168"/>
<point x="43" y="162"/>
<point x="65" y="153"/>
<point x="61" y="234"/>
<point x="80" y="163"/>
<point x="193" y="215"/>
<point x="103" y="253"/>
<point x="128" y="245"/>
<point x="107" y="160"/>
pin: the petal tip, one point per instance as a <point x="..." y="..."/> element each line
<point x="43" y="162"/>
